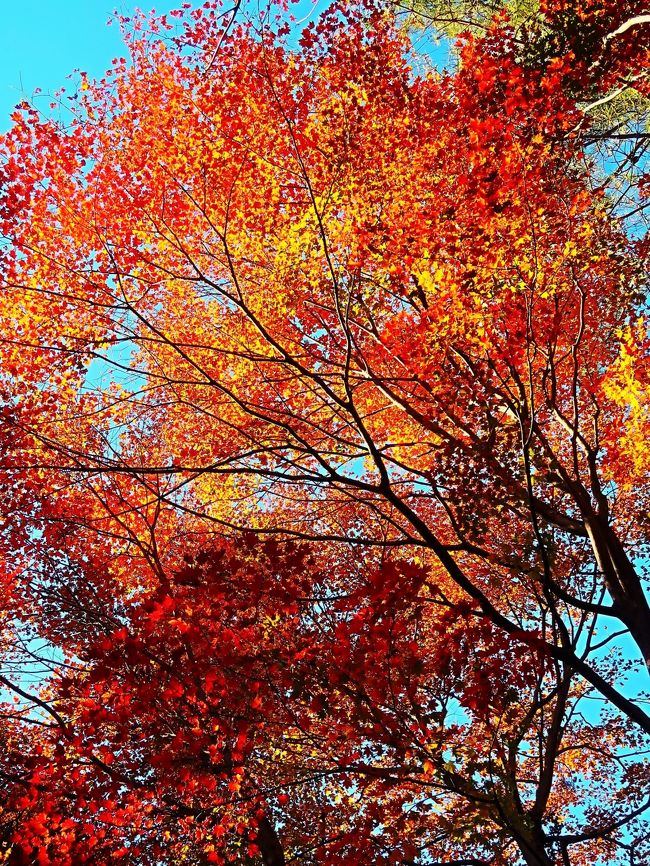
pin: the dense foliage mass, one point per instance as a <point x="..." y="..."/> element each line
<point x="325" y="485"/>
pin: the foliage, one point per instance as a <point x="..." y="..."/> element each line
<point x="453" y="17"/>
<point x="324" y="478"/>
<point x="607" y="45"/>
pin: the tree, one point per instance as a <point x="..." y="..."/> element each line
<point x="325" y="392"/>
<point x="607" y="46"/>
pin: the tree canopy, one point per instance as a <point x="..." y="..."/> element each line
<point x="325" y="484"/>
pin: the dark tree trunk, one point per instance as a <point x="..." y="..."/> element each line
<point x="623" y="583"/>
<point x="269" y="844"/>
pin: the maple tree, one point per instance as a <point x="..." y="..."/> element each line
<point x="608" y="79"/>
<point x="325" y="399"/>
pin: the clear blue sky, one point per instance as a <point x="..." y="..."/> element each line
<point x="43" y="41"/>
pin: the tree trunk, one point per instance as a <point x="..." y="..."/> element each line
<point x="269" y="843"/>
<point x="623" y="583"/>
<point x="533" y="850"/>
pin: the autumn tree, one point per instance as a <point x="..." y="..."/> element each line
<point x="607" y="45"/>
<point x="325" y="401"/>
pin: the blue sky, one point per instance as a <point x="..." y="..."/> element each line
<point x="43" y="41"/>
